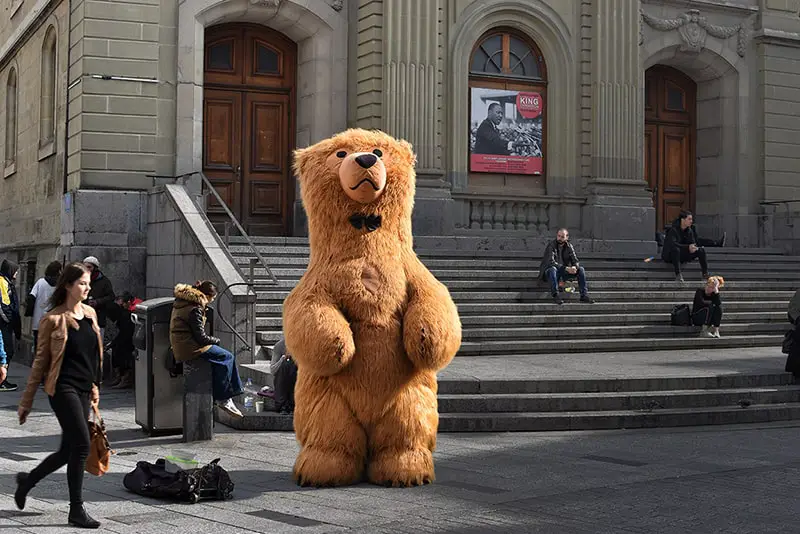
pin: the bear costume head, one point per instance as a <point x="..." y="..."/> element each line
<point x="356" y="183"/>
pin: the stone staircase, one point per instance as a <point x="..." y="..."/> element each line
<point x="507" y="313"/>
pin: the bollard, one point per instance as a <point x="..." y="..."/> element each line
<point x="198" y="401"/>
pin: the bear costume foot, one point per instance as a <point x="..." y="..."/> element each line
<point x="326" y="468"/>
<point x="400" y="469"/>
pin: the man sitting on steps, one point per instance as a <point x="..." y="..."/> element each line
<point x="681" y="245"/>
<point x="560" y="262"/>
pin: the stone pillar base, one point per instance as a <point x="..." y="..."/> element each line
<point x="433" y="207"/>
<point x="619" y="210"/>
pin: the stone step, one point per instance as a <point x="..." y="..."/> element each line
<point x="632" y="332"/>
<point x="273" y="322"/>
<point x="561" y="421"/>
<point x="450" y="385"/>
<point x="270" y="294"/>
<point x="575" y="342"/>
<point x="607" y="420"/>
<point x="607" y="307"/>
<point x="716" y="254"/>
<point x="613" y="401"/>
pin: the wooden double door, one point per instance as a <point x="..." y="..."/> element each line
<point x="669" y="141"/>
<point x="248" y="126"/>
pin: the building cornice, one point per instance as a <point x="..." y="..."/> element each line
<point x="707" y="5"/>
<point x="35" y="17"/>
<point x="767" y="35"/>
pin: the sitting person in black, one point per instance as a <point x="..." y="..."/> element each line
<point x="682" y="246"/>
<point x="707" y="307"/>
<point x="793" y="358"/>
<point x="123" y="353"/>
<point x="284" y="375"/>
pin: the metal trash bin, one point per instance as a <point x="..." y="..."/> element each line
<point x="159" y="397"/>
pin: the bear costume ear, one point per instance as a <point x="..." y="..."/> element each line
<point x="302" y="157"/>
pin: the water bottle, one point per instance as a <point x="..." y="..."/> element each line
<point x="249" y="400"/>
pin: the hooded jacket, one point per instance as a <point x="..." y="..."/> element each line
<point x="102" y="292"/>
<point x="9" y="302"/>
<point x="187" y="333"/>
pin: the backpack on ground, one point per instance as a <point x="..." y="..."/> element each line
<point x="681" y="315"/>
<point x="210" y="482"/>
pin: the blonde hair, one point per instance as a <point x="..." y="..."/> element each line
<point x="718" y="279"/>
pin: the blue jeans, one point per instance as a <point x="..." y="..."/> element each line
<point x="224" y="373"/>
<point x="553" y="275"/>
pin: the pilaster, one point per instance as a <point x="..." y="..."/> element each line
<point x="618" y="204"/>
<point x="413" y="38"/>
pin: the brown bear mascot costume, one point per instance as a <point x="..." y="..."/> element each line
<point x="368" y="325"/>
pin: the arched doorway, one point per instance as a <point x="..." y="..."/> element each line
<point x="670" y="105"/>
<point x="248" y="125"/>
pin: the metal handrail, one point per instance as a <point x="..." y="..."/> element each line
<point x="230" y="214"/>
<point x="246" y="343"/>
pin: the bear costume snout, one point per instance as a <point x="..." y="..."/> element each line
<point x="363" y="177"/>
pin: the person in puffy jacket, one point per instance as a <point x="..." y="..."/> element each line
<point x="10" y="320"/>
<point x="187" y="335"/>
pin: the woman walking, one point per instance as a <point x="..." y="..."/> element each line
<point x="69" y="358"/>
<point x="189" y="340"/>
<point x="707" y="307"/>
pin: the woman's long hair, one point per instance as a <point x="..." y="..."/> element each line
<point x="207" y="288"/>
<point x="71" y="274"/>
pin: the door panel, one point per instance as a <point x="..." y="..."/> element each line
<point x="267" y="168"/>
<point x="669" y="137"/>
<point x="222" y="139"/>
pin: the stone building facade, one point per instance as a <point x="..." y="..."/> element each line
<point x="645" y="107"/>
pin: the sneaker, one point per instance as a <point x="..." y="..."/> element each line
<point x="587" y="299"/>
<point x="8" y="386"/>
<point x="267" y="392"/>
<point x="715" y="332"/>
<point x="230" y="407"/>
<point x="557" y="299"/>
<point x="125" y="382"/>
<point x="679" y="278"/>
<point x="705" y="332"/>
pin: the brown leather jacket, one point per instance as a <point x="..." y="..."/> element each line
<point x="52" y="341"/>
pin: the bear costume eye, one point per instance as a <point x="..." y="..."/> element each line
<point x="378" y="152"/>
<point x="341" y="154"/>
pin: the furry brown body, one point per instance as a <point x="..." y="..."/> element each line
<point x="368" y="325"/>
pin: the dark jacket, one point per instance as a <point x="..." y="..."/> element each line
<point x="489" y="141"/>
<point x="123" y="342"/>
<point x="9" y="301"/>
<point x="703" y="301"/>
<point x="678" y="239"/>
<point x="103" y="293"/>
<point x="187" y="327"/>
<point x="557" y="256"/>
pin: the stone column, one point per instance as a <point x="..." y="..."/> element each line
<point x="619" y="207"/>
<point x="412" y="103"/>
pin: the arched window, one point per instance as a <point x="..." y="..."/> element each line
<point x="47" y="123"/>
<point x="508" y="82"/>
<point x="11" y="121"/>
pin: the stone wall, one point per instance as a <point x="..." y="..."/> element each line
<point x="183" y="247"/>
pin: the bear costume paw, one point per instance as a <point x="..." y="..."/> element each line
<point x="325" y="468"/>
<point x="400" y="469"/>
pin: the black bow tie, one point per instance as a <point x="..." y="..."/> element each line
<point x="370" y="222"/>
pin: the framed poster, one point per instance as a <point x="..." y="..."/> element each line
<point x="506" y="131"/>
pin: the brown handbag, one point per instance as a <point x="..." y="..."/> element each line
<point x="99" y="450"/>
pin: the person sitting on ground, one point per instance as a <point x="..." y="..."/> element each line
<point x="122" y="349"/>
<point x="681" y="246"/>
<point x="793" y="357"/>
<point x="707" y="307"/>
<point x="560" y="262"/>
<point x="284" y="373"/>
<point x="189" y="340"/>
<point x="39" y="297"/>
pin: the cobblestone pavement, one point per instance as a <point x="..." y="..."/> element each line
<point x="705" y="479"/>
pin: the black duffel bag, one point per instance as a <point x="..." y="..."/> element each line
<point x="681" y="315"/>
<point x="210" y="482"/>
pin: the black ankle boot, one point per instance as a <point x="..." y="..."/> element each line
<point x="79" y="518"/>
<point x="23" y="487"/>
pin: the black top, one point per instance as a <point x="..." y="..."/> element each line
<point x="81" y="366"/>
<point x="703" y="301"/>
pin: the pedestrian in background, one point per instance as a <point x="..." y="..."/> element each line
<point x="39" y="298"/>
<point x="102" y="294"/>
<point x="10" y="320"/>
<point x="68" y="358"/>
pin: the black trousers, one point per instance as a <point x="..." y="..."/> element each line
<point x="285" y="379"/>
<point x="7" y="331"/>
<point x="678" y="256"/>
<point x="71" y="407"/>
<point x="711" y="316"/>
